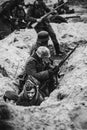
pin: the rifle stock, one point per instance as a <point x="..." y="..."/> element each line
<point x="46" y="15"/>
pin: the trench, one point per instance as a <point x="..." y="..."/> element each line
<point x="56" y="112"/>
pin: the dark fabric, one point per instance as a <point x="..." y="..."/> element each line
<point x="35" y="67"/>
<point x="6" y="24"/>
<point x="40" y="9"/>
<point x="18" y="17"/>
<point x="40" y="71"/>
<point x="18" y="12"/>
<point x="57" y="19"/>
<point x="37" y="10"/>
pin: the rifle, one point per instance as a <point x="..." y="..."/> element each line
<point x="67" y="17"/>
<point x="56" y="69"/>
<point x="46" y="15"/>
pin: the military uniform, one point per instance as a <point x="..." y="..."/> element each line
<point x="40" y="71"/>
<point x="30" y="94"/>
<point x="37" y="11"/>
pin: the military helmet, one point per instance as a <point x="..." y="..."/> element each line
<point x="43" y="36"/>
<point x="43" y="51"/>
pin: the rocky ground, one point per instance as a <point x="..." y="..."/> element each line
<point x="66" y="108"/>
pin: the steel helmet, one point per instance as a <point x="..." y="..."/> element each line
<point x="43" y="51"/>
<point x="43" y="36"/>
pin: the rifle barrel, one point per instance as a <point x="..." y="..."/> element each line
<point x="62" y="62"/>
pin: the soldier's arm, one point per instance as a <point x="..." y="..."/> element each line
<point x="31" y="70"/>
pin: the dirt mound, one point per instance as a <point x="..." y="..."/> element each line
<point x="65" y="109"/>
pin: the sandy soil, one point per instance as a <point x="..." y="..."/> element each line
<point x="65" y="109"/>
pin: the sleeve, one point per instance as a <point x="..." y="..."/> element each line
<point x="31" y="70"/>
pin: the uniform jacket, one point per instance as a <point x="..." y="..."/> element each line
<point x="36" y="68"/>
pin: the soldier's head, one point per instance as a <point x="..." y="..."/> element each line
<point x="42" y="39"/>
<point x="43" y="52"/>
<point x="31" y="87"/>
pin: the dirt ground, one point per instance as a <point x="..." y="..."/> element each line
<point x="66" y="108"/>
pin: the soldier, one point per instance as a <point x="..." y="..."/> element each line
<point x="39" y="67"/>
<point x="30" y="94"/>
<point x="42" y="40"/>
<point x="35" y="12"/>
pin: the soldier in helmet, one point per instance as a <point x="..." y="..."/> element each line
<point x="39" y="67"/>
<point x="35" y="12"/>
<point x="42" y="40"/>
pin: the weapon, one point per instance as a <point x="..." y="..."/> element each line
<point x="56" y="69"/>
<point x="67" y="17"/>
<point x="46" y="15"/>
